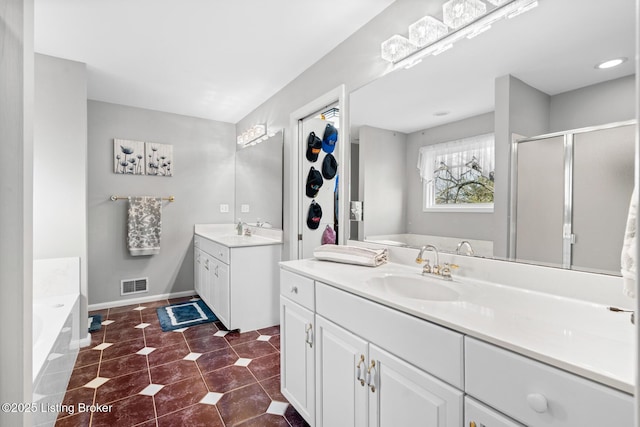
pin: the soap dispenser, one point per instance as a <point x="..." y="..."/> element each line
<point x="239" y="227"/>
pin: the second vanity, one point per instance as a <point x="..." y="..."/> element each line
<point x="237" y="275"/>
<point x="386" y="346"/>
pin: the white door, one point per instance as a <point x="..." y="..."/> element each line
<point x="341" y="369"/>
<point x="297" y="361"/>
<point x="197" y="271"/>
<point x="205" y="278"/>
<point x="219" y="291"/>
<point x="407" y="396"/>
<point x="311" y="238"/>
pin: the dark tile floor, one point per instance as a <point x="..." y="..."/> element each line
<point x="202" y="376"/>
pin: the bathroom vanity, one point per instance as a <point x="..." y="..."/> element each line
<point x="237" y="275"/>
<point x="387" y="346"/>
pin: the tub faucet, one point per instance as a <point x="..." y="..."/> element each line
<point x="470" y="251"/>
<point x="427" y="267"/>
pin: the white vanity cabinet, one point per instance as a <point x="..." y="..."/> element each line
<point x="537" y="394"/>
<point x="239" y="284"/>
<point x="384" y="360"/>
<point x="297" y="338"/>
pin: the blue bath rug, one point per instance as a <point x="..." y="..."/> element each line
<point x="184" y="314"/>
<point x="95" y="322"/>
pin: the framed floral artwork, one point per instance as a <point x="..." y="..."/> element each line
<point x="159" y="160"/>
<point x="128" y="157"/>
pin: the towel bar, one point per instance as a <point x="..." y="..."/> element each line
<point x="114" y="198"/>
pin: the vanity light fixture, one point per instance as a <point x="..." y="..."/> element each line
<point x="611" y="63"/>
<point x="458" y="13"/>
<point x="426" y="30"/>
<point x="463" y="18"/>
<point x="396" y="48"/>
<point x="254" y="135"/>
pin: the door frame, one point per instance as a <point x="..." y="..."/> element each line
<point x="336" y="95"/>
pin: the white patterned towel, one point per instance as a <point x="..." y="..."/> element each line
<point x="144" y="225"/>
<point x="628" y="259"/>
<point x="351" y="255"/>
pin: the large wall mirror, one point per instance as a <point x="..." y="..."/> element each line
<point x="258" y="195"/>
<point x="531" y="79"/>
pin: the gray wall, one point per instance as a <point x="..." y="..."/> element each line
<point x="606" y="102"/>
<point x="60" y="165"/>
<point x="523" y="110"/>
<point x="382" y="161"/>
<point x="449" y="224"/>
<point x="204" y="178"/>
<point x="16" y="195"/>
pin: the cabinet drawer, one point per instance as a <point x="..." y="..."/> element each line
<point x="479" y="415"/>
<point x="540" y="395"/>
<point x="429" y="347"/>
<point x="297" y="288"/>
<point x="214" y="249"/>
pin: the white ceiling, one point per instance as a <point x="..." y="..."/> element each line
<point x="553" y="48"/>
<point x="215" y="59"/>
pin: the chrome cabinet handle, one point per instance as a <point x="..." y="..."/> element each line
<point x="359" y="369"/>
<point x="294" y="289"/>
<point x="206" y="264"/>
<point x="309" y="335"/>
<point x="216" y="270"/>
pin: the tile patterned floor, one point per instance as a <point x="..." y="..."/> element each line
<point x="203" y="376"/>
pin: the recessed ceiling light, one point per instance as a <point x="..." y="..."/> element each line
<point x="611" y="63"/>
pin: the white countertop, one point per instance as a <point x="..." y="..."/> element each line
<point x="226" y="234"/>
<point x="580" y="337"/>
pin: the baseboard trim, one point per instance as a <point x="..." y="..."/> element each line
<point x="85" y="342"/>
<point x="141" y="300"/>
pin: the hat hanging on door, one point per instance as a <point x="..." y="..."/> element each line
<point x="314" y="182"/>
<point x="314" y="146"/>
<point x="329" y="166"/>
<point x="314" y="216"/>
<point x="329" y="138"/>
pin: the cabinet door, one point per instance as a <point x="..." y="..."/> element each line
<point x="341" y="398"/>
<point x="297" y="362"/>
<point x="219" y="291"/>
<point x="197" y="271"/>
<point x="405" y="395"/>
<point x="205" y="278"/>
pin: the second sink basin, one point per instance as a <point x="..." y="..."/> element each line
<point x="415" y="287"/>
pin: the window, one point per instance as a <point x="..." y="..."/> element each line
<point x="458" y="176"/>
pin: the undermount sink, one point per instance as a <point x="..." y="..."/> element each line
<point x="413" y="287"/>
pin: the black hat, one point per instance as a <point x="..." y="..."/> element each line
<point x="329" y="166"/>
<point x="314" y="182"/>
<point x="314" y="145"/>
<point x="314" y="216"/>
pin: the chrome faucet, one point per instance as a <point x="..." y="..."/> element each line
<point x="470" y="251"/>
<point x="443" y="271"/>
<point x="427" y="267"/>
